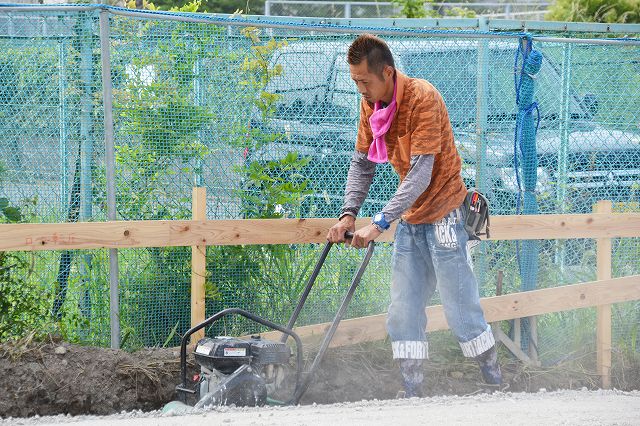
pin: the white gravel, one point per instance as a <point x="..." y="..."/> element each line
<point x="602" y="407"/>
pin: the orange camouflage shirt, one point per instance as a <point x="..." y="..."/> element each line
<point x="420" y="126"/>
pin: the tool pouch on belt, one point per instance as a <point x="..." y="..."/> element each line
<point x="476" y="208"/>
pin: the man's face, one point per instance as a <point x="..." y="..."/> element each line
<point x="372" y="86"/>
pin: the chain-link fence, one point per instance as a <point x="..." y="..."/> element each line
<point x="265" y="116"/>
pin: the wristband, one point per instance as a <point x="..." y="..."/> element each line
<point x="380" y="222"/>
<point x="347" y="214"/>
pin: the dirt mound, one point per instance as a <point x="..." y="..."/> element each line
<point x="61" y="378"/>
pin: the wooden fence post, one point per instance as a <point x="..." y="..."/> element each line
<point x="603" y="327"/>
<point x="198" y="265"/>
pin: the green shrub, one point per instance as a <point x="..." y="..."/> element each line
<point x="23" y="306"/>
<point x="609" y="11"/>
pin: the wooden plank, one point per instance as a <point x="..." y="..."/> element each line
<point x="603" y="315"/>
<point x="166" y="233"/>
<point x="512" y="346"/>
<point x="559" y="226"/>
<point x="198" y="265"/>
<point x="603" y="344"/>
<point x="533" y="342"/>
<point x="517" y="332"/>
<point x="501" y="336"/>
<point x="497" y="308"/>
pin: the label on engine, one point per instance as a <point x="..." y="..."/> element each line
<point x="205" y="348"/>
<point x="235" y="351"/>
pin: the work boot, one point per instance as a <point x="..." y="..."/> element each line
<point x="412" y="378"/>
<point x="489" y="367"/>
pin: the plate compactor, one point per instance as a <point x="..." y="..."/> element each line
<point x="255" y="371"/>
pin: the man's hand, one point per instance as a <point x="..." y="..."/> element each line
<point x="337" y="231"/>
<point x="362" y="237"/>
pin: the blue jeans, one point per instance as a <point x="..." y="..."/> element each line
<point x="426" y="257"/>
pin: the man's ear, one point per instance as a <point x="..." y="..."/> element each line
<point x="388" y="71"/>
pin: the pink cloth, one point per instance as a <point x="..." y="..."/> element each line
<point x="380" y="122"/>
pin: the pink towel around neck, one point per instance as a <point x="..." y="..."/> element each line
<point x="380" y="122"/>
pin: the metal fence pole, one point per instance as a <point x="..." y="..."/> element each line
<point x="63" y="147"/>
<point x="86" y="160"/>
<point x="482" y="82"/>
<point x="562" y="178"/>
<point x="267" y="8"/>
<point x="114" y="303"/>
<point x="561" y="188"/>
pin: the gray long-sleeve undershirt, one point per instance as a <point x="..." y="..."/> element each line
<point x="359" y="180"/>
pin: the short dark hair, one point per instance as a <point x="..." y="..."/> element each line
<point x="374" y="50"/>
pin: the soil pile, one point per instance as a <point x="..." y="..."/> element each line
<point x="61" y="378"/>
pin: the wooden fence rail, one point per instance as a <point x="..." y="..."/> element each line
<point x="496" y="308"/>
<point x="173" y="233"/>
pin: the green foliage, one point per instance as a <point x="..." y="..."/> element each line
<point x="156" y="295"/>
<point x="72" y="326"/>
<point x="412" y="8"/>
<point x="254" y="277"/>
<point x="217" y="6"/>
<point x="273" y="188"/>
<point x="161" y="115"/>
<point x="9" y="213"/>
<point x="22" y="306"/>
<point x="161" y="118"/>
<point x="608" y="11"/>
<point x="285" y="272"/>
<point x="234" y="271"/>
<point x="259" y="71"/>
<point x="418" y="9"/>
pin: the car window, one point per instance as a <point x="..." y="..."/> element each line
<point x="316" y="85"/>
<point x="345" y="94"/>
<point x="454" y="74"/>
<point x="548" y="93"/>
<point x="305" y="76"/>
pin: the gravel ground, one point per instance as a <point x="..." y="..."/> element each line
<point x="576" y="407"/>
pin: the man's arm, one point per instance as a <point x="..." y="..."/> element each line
<point x="414" y="184"/>
<point x="359" y="180"/>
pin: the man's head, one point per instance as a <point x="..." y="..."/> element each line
<point x="372" y="68"/>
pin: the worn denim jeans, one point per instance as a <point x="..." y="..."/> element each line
<point x="426" y="257"/>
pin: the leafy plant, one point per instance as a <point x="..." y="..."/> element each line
<point x="161" y="117"/>
<point x="418" y="9"/>
<point x="412" y="8"/>
<point x="609" y="11"/>
<point x="23" y="308"/>
<point x="254" y="277"/>
<point x="8" y="212"/>
<point x="273" y="188"/>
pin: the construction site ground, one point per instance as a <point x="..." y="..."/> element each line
<point x="357" y="383"/>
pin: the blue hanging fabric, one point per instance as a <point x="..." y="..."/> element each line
<point x="526" y="162"/>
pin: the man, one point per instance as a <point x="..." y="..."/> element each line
<point x="404" y="120"/>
